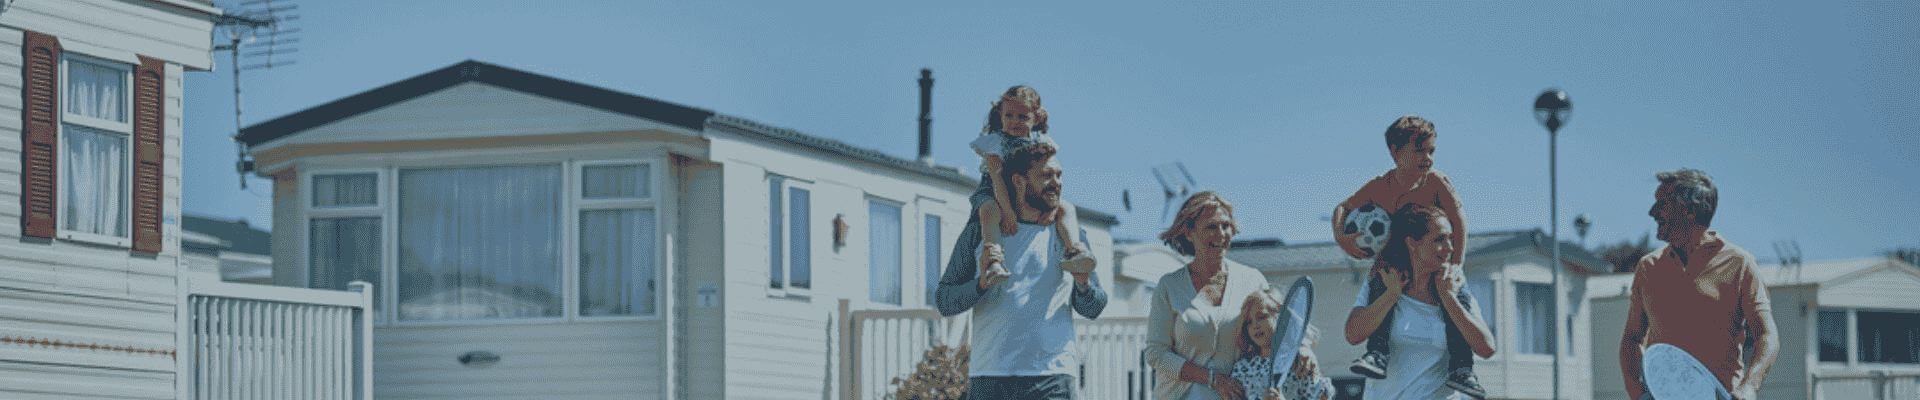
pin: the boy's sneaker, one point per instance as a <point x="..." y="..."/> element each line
<point x="1463" y="380"/>
<point x="1078" y="262"/>
<point x="1371" y="365"/>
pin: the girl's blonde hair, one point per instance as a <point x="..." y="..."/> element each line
<point x="1022" y="94"/>
<point x="1267" y="303"/>
<point x="1190" y="212"/>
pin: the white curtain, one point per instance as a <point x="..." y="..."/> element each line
<point x="344" y="250"/>
<point x="95" y="170"/>
<point x="344" y="190"/>
<point x="1536" y="318"/>
<point x="800" y="238"/>
<point x="480" y="243"/>
<point x="617" y="262"/>
<point x="96" y="91"/>
<point x="883" y="252"/>
<point x="776" y="268"/>
<point x="614" y="181"/>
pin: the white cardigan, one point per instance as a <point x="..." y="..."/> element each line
<point x="1183" y="326"/>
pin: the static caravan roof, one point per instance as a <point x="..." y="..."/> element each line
<point x="691" y="118"/>
<point x="1272" y="256"/>
<point x="1827" y="272"/>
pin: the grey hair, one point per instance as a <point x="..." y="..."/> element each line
<point x="1694" y="189"/>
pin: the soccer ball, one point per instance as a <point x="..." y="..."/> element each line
<point x="1371" y="222"/>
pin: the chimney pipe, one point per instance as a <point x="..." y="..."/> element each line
<point x="926" y="116"/>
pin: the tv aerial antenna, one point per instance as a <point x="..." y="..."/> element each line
<point x="260" y="33"/>
<point x="1175" y="185"/>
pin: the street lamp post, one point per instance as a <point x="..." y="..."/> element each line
<point x="1553" y="109"/>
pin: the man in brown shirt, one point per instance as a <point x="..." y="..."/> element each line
<point x="1699" y="293"/>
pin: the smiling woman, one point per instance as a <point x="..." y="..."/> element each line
<point x="1190" y="328"/>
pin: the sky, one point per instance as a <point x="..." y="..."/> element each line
<point x="1802" y="112"/>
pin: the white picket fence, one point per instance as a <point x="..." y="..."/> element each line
<point x="272" y="342"/>
<point x="1111" y="366"/>
<point x="886" y="344"/>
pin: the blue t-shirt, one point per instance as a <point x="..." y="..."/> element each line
<point x="1024" y="326"/>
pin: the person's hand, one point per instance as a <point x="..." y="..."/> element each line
<point x="1008" y="224"/>
<point x="991" y="270"/>
<point x="1273" y="394"/>
<point x="1345" y="240"/>
<point x="1306" y="364"/>
<point x="1394" y="280"/>
<point x="1227" y="387"/>
<point x="1450" y="280"/>
<point x="1745" y="393"/>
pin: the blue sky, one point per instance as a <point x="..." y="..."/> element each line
<point x="1803" y="112"/>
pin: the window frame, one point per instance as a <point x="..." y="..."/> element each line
<point x="382" y="179"/>
<point x="1552" y="329"/>
<point x="1847" y="355"/>
<point x="931" y="256"/>
<point x="659" y="197"/>
<point x="391" y="267"/>
<point x="63" y="118"/>
<point x="1852" y="337"/>
<point x="577" y="203"/>
<point x="904" y="257"/>
<point x="786" y="289"/>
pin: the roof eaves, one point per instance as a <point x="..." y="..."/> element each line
<point x="474" y="71"/>
<point x="948" y="174"/>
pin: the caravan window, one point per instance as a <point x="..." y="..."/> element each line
<point x="1888" y="337"/>
<point x="96" y="161"/>
<point x="344" y="231"/>
<point x="789" y="236"/>
<point x="619" y="236"/>
<point x="1536" y="320"/>
<point x="883" y="251"/>
<point x="479" y="243"/>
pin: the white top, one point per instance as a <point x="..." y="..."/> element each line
<point x="1418" y="367"/>
<point x="1256" y="376"/>
<point x="1183" y="326"/>
<point x="1024" y="326"/>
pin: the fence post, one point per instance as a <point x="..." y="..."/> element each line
<point x="847" y="389"/>
<point x="363" y="341"/>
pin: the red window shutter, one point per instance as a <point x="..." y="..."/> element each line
<point x="40" y="117"/>
<point x="149" y="141"/>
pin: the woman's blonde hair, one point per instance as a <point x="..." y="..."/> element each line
<point x="1267" y="302"/>
<point x="1190" y="213"/>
